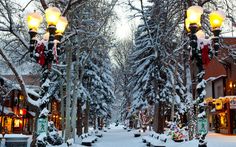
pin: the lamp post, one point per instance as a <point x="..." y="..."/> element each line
<point x="42" y="53"/>
<point x="202" y="52"/>
<point x="56" y="27"/>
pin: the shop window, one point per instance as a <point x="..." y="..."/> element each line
<point x="8" y="124"/>
<point x="223" y="120"/>
<point x="17" y="123"/>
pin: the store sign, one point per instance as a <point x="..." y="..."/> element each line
<point x="218" y="104"/>
<point x="202" y="126"/>
<point x="42" y="125"/>
<point x="233" y="103"/>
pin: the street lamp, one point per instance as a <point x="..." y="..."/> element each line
<point x="216" y="20"/>
<point x="202" y="52"/>
<point x="45" y="55"/>
<point x="33" y="19"/>
<point x="56" y="26"/>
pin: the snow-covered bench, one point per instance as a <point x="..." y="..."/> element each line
<point x="155" y="140"/>
<point x="70" y="142"/>
<point x="149" y="137"/>
<point x="88" y="139"/>
<point x="104" y="130"/>
<point x="157" y="143"/>
<point x="137" y="134"/>
<point x="98" y="134"/>
<point x="161" y="142"/>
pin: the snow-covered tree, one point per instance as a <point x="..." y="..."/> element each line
<point x="121" y="73"/>
<point x="154" y="79"/>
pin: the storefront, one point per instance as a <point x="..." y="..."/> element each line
<point x="222" y="115"/>
<point x="14" y="115"/>
<point x="55" y="113"/>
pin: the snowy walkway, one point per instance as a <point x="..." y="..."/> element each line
<point x="118" y="137"/>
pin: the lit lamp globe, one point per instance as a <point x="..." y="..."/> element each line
<point x="33" y="20"/>
<point x="187" y="24"/>
<point x="52" y="15"/>
<point x="194" y="14"/>
<point x="61" y="25"/>
<point x="216" y="19"/>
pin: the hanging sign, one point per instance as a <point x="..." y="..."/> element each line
<point x="233" y="103"/>
<point x="42" y="125"/>
<point x="202" y="126"/>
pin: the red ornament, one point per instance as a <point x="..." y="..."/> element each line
<point x="205" y="56"/>
<point x="40" y="50"/>
<point x="23" y="111"/>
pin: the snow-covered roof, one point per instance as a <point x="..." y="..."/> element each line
<point x="229" y="97"/>
<point x="7" y="110"/>
<point x="31" y="89"/>
<point x="32" y="113"/>
<point x="210" y="79"/>
<point x="14" y="136"/>
<point x="28" y="79"/>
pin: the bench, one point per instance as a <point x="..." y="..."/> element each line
<point x="137" y="134"/>
<point x="147" y="138"/>
<point x="159" y="143"/>
<point x="88" y="139"/>
<point x="154" y="140"/>
<point x="98" y="134"/>
<point x="70" y="142"/>
<point x="104" y="130"/>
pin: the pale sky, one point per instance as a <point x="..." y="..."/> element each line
<point x="126" y="23"/>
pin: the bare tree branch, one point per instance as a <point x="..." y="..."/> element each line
<point x="27" y="5"/>
<point x="44" y="4"/>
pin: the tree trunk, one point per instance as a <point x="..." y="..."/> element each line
<point x="99" y="123"/>
<point x="62" y="110"/>
<point x="68" y="98"/>
<point x="73" y="113"/>
<point x="79" y="117"/>
<point x="86" y="117"/>
<point x="95" y="121"/>
<point x="102" y="123"/>
<point x="155" y="118"/>
<point x="158" y="121"/>
<point x="173" y="110"/>
<point x="160" y="114"/>
<point x="190" y="113"/>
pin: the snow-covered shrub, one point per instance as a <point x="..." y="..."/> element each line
<point x="53" y="136"/>
<point x="42" y="140"/>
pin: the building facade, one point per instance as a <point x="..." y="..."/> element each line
<point x="16" y="115"/>
<point x="221" y="89"/>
